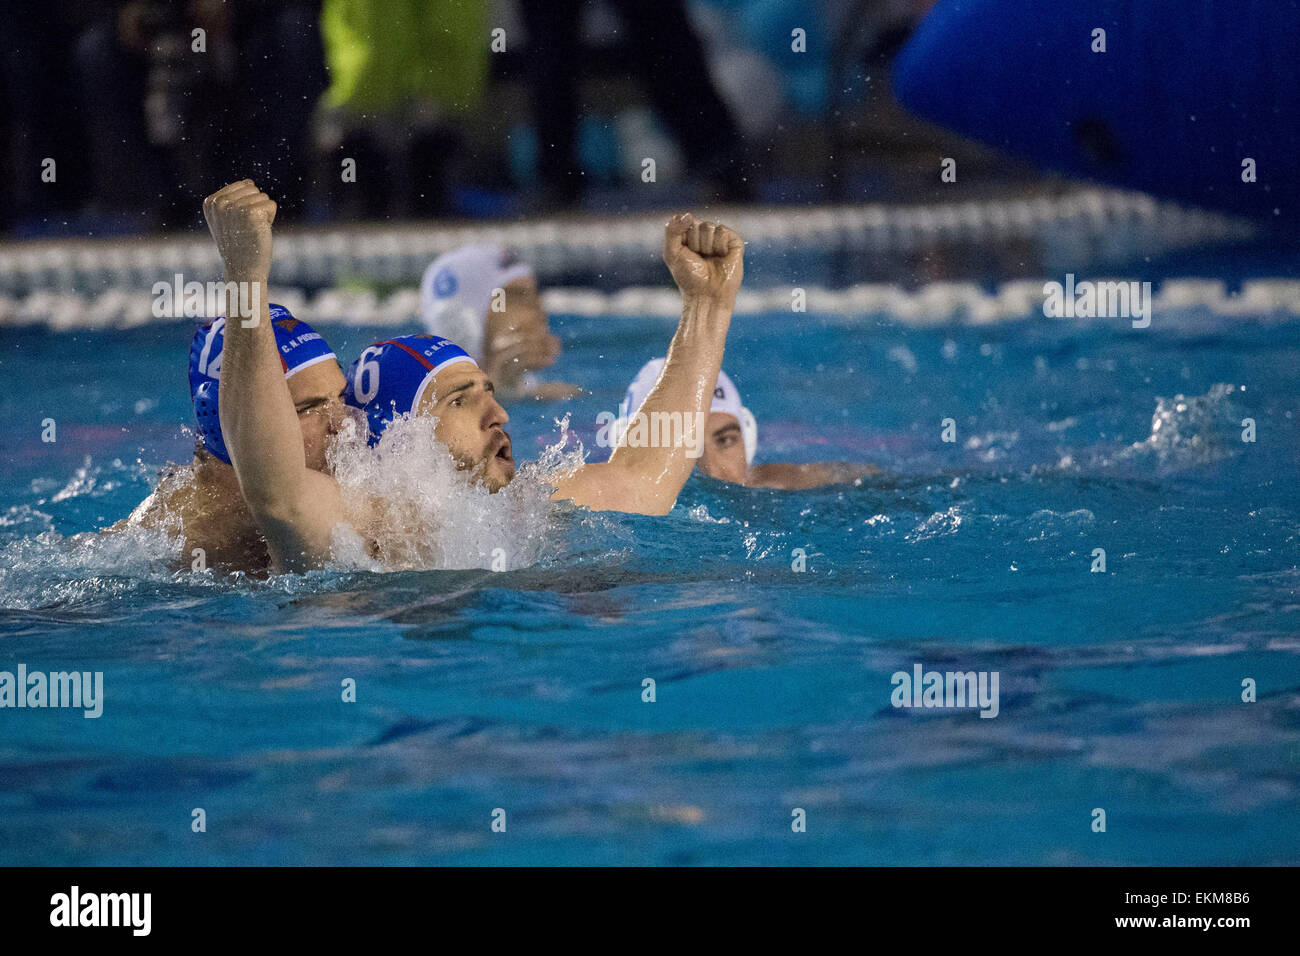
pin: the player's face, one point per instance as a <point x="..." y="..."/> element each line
<point x="317" y="393"/>
<point x="471" y="423"/>
<point x="724" y="449"/>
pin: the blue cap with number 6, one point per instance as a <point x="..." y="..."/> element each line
<point x="389" y="378"/>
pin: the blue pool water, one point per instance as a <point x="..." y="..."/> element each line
<point x="522" y="690"/>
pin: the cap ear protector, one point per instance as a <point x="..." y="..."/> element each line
<point x="208" y="416"/>
<point x="749" y="433"/>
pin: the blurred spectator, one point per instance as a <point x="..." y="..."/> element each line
<point x="142" y="114"/>
<point x="402" y="74"/>
<point x="244" y="103"/>
<point x="142" y="122"/>
<point x="664" y="53"/>
<point x="38" y="119"/>
<point x="126" y="168"/>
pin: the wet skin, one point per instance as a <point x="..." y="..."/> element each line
<point x="724" y="449"/>
<point x="203" y="501"/>
<point x="471" y="423"/>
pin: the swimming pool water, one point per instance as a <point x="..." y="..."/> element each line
<point x="522" y="690"/>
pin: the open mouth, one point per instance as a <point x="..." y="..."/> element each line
<point x="504" y="452"/>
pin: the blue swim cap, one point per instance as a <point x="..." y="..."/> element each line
<point x="389" y="378"/>
<point x="300" y="347"/>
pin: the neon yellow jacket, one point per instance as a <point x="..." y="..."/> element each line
<point x="384" y="53"/>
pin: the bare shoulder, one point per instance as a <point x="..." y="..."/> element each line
<point x="173" y="498"/>
<point x="207" y="514"/>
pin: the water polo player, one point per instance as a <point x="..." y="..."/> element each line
<point x="484" y="298"/>
<point x="731" y="439"/>
<point x="202" y="501"/>
<point x="299" y="510"/>
<point x="396" y="377"/>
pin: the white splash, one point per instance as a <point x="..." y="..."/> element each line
<point x="50" y="570"/>
<point x="1190" y="430"/>
<point x="412" y="509"/>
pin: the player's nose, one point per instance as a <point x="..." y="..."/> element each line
<point x="495" y="416"/>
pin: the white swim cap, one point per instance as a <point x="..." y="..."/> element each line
<point x="457" y="290"/>
<point x="725" y="399"/>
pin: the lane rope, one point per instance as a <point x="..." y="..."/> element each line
<point x="86" y="283"/>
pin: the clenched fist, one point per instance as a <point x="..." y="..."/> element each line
<point x="705" y="258"/>
<point x="239" y="218"/>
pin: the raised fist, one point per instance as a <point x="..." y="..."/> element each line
<point x="239" y="218"/>
<point x="705" y="258"/>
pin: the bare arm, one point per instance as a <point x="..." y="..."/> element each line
<point x="706" y="260"/>
<point x="814" y="475"/>
<point x="295" y="508"/>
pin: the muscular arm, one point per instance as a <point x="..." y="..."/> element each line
<point x="295" y="508"/>
<point x="706" y="261"/>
